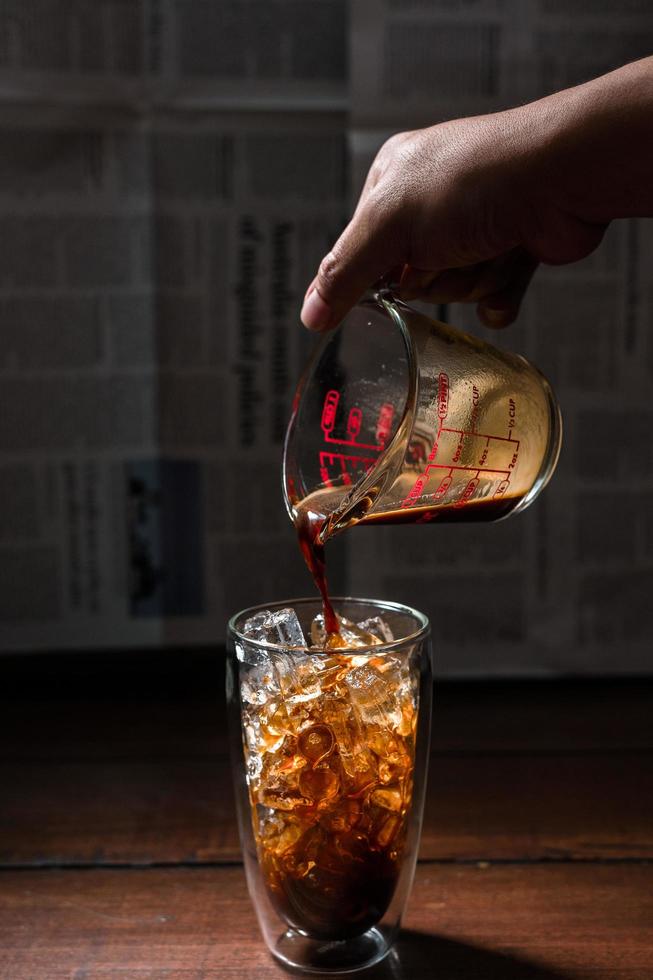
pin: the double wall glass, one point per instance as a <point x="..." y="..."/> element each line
<point x="329" y="757"/>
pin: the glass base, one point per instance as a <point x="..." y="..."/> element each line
<point x="331" y="956"/>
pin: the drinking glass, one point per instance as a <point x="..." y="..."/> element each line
<point x="329" y="758"/>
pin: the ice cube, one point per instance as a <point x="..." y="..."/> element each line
<point x="257" y="676"/>
<point x="292" y="670"/>
<point x="281" y="627"/>
<point x="254" y="766"/>
<point x="374" y="696"/>
<point x="389" y="798"/>
<point x="350" y="637"/>
<point x="258" y="687"/>
<point x="357" y="760"/>
<point x="299" y="677"/>
<point x="377" y="627"/>
<point x="318" y="632"/>
<point x="253" y="656"/>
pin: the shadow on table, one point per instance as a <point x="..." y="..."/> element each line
<point x="419" y="956"/>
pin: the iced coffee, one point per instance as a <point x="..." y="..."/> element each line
<point x="329" y="732"/>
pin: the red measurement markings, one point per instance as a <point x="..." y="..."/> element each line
<point x="483" y="461"/>
<point x="467" y="493"/>
<point x="452" y="463"/>
<point x="354" y="423"/>
<point x="459" y="448"/>
<point x="418" y="487"/>
<point x="443" y="486"/>
<point x="501" y="489"/>
<point x="476" y="397"/>
<point x="443" y="395"/>
<point x="512" y="417"/>
<point x="482" y="435"/>
<point x="463" y="469"/>
<point x="384" y="424"/>
<point x="329" y="410"/>
<point x="434" y="450"/>
<point x="415" y="492"/>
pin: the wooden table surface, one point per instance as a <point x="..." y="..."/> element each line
<point x="119" y="854"/>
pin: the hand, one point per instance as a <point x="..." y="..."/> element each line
<point x="459" y="212"/>
<point x="465" y="210"/>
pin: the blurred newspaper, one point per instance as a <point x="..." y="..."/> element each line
<point x="567" y="586"/>
<point x="160" y="219"/>
<point x="172" y="171"/>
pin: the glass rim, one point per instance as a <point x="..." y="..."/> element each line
<point x="423" y="630"/>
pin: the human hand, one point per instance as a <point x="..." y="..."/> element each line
<point x="460" y="212"/>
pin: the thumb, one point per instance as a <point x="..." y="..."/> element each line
<point x="363" y="253"/>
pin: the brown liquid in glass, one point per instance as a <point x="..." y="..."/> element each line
<point x="331" y="793"/>
<point x="331" y="799"/>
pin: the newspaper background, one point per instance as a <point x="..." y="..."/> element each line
<point x="172" y="171"/>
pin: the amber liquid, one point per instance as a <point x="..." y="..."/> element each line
<point x="492" y="509"/>
<point x="331" y="793"/>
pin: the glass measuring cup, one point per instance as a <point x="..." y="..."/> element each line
<point x="400" y="418"/>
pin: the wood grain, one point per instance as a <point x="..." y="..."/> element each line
<point x="496" y="807"/>
<point x="111" y="766"/>
<point x="544" y="922"/>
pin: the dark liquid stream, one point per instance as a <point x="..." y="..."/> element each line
<point x="309" y="527"/>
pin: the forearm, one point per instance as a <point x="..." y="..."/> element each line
<point x="592" y="146"/>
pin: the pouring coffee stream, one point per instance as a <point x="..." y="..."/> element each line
<point x="309" y="527"/>
<point x="401" y="419"/>
<point x="314" y="523"/>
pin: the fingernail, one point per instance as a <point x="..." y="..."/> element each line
<point x="316" y="314"/>
<point x="309" y="291"/>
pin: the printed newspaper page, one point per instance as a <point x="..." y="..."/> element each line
<point x="281" y="54"/>
<point x="416" y="62"/>
<point x="149" y="350"/>
<point x="172" y="172"/>
<point x="566" y="586"/>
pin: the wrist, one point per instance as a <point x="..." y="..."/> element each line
<point x="590" y="146"/>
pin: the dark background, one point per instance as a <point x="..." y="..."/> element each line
<point x="171" y="175"/>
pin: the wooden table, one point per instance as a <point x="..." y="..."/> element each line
<point x="119" y="855"/>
